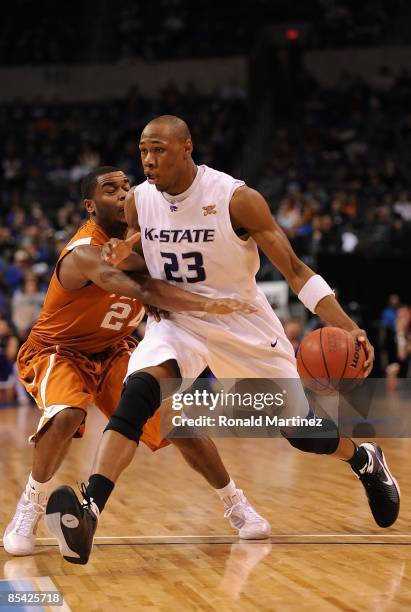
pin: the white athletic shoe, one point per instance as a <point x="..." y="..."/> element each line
<point x="242" y="516"/>
<point x="20" y="536"/>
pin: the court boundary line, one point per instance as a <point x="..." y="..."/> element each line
<point x="271" y="542"/>
<point x="233" y="536"/>
<point x="215" y="539"/>
<point x="248" y="542"/>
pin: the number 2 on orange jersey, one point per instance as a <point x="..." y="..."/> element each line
<point x="116" y="317"/>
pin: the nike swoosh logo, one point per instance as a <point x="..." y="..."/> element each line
<point x="389" y="480"/>
<point x="70" y="521"/>
<point x="274" y="344"/>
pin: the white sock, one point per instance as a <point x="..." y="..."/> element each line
<point x="38" y="492"/>
<point x="228" y="494"/>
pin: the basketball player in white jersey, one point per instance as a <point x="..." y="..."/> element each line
<point x="200" y="229"/>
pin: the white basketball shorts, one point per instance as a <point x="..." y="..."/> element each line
<point x="232" y="346"/>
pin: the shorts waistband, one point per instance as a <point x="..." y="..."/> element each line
<point x="100" y="356"/>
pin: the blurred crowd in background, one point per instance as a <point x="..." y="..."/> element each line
<point x="46" y="149"/>
<point x="121" y="31"/>
<point x="338" y="174"/>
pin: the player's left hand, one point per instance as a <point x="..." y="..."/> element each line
<point x="361" y="336"/>
<point x="157" y="313"/>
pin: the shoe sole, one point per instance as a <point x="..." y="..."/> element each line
<point x="53" y="524"/>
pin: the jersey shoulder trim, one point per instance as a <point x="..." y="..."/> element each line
<point x="79" y="242"/>
<point x="88" y="234"/>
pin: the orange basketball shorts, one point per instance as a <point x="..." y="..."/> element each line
<point x="58" y="378"/>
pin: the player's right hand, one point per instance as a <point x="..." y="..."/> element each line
<point x="227" y="305"/>
<point x="115" y="250"/>
<point x="361" y="336"/>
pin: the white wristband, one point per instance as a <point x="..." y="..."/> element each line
<point x="314" y="290"/>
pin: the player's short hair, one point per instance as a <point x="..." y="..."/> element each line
<point x="89" y="182"/>
<point x="176" y="125"/>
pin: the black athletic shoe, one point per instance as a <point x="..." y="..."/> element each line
<point x="72" y="523"/>
<point x="380" y="486"/>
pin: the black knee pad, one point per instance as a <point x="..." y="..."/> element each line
<point x="140" y="399"/>
<point x="322" y="440"/>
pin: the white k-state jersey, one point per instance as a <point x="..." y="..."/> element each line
<point x="189" y="240"/>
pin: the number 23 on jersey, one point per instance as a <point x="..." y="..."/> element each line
<point x="189" y="268"/>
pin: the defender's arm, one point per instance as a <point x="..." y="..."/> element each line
<point x="85" y="264"/>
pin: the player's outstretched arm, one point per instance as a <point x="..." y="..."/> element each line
<point x="85" y="264"/>
<point x="249" y="210"/>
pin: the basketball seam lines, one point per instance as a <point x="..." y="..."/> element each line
<point x="346" y="361"/>
<point x="308" y="371"/>
<point x="323" y="356"/>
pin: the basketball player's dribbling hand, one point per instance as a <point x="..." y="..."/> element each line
<point x="115" y="250"/>
<point x="227" y="305"/>
<point x="361" y="336"/>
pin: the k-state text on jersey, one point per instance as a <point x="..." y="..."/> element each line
<point x="179" y="235"/>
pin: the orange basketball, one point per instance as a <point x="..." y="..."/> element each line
<point x="330" y="360"/>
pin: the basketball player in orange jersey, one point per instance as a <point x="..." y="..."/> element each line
<point x="200" y="228"/>
<point x="77" y="354"/>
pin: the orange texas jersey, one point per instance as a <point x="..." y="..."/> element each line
<point x="89" y="319"/>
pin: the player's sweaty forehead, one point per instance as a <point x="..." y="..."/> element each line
<point x="162" y="132"/>
<point x="112" y="178"/>
<point x="155" y="135"/>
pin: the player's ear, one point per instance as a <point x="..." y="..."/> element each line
<point x="90" y="206"/>
<point x="188" y="148"/>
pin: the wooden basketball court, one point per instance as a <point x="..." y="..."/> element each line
<point x="163" y="544"/>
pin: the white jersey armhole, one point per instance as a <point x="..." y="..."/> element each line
<point x="135" y="194"/>
<point x="236" y="185"/>
<point x="135" y="198"/>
